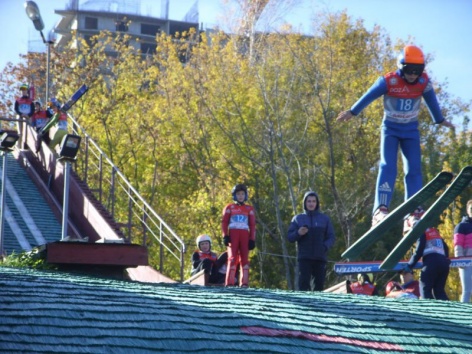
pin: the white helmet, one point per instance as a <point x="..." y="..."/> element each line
<point x="202" y="238"/>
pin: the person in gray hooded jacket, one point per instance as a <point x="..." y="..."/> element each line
<point x="314" y="233"/>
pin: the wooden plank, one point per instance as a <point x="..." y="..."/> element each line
<point x="197" y="279"/>
<point x="147" y="274"/>
<point x="96" y="253"/>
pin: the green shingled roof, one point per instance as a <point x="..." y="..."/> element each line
<point x="59" y="312"/>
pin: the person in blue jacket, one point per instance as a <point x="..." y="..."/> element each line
<point x="314" y="233"/>
<point x="435" y="271"/>
<point x="402" y="92"/>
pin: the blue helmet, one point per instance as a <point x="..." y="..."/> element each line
<point x="53" y="102"/>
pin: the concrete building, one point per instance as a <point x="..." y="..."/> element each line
<point x="86" y="19"/>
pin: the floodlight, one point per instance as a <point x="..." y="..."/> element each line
<point x="8" y="140"/>
<point x="70" y="146"/>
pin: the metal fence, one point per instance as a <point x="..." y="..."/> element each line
<point x="137" y="219"/>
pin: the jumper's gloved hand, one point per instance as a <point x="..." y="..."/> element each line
<point x="252" y="245"/>
<point x="227" y="240"/>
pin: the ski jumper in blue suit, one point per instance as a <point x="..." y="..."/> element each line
<point x="399" y="129"/>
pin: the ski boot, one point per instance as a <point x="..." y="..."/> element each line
<point x="379" y="214"/>
<point x="412" y="219"/>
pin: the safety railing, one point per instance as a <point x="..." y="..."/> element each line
<point x="133" y="214"/>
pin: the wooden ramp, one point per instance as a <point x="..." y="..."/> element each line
<point x="147" y="274"/>
<point x="116" y="254"/>
<point x="340" y="288"/>
<point x="200" y="279"/>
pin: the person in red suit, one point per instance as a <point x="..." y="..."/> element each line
<point x="408" y="288"/>
<point x="239" y="235"/>
<point x="204" y="259"/>
<point x="39" y="119"/>
<point x="24" y="104"/>
<point x="363" y="285"/>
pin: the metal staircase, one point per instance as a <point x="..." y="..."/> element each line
<point x="114" y="197"/>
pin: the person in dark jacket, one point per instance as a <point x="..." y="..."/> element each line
<point x="435" y="271"/>
<point x="314" y="233"/>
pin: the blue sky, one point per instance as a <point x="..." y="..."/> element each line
<point x="440" y="27"/>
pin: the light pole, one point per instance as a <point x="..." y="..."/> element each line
<point x="69" y="147"/>
<point x="32" y="10"/>
<point x="7" y="141"/>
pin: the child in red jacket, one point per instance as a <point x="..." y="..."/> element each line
<point x="239" y="234"/>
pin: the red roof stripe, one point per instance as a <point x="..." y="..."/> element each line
<point x="270" y="332"/>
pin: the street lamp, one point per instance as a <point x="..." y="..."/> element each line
<point x="68" y="151"/>
<point x="7" y="141"/>
<point x="32" y="10"/>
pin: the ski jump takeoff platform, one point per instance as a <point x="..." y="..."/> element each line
<point x="111" y="254"/>
<point x="346" y="268"/>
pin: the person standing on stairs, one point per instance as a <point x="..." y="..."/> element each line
<point x="58" y="119"/>
<point x="38" y="121"/>
<point x="24" y="104"/>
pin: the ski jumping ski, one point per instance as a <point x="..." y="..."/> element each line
<point x="74" y="98"/>
<point x="65" y="107"/>
<point x="397" y="215"/>
<point x="430" y="218"/>
<point x="346" y="268"/>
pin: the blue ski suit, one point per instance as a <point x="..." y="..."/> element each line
<point x="399" y="129"/>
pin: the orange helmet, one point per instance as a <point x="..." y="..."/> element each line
<point x="411" y="60"/>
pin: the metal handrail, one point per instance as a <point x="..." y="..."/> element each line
<point x="139" y="219"/>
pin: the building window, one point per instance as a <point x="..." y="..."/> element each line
<point x="148" y="48"/>
<point x="150" y="30"/>
<point x="91" y="23"/>
<point x="121" y="26"/>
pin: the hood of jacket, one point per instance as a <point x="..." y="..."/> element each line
<point x="466" y="218"/>
<point x="307" y="194"/>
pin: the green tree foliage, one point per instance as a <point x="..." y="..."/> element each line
<point x="208" y="111"/>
